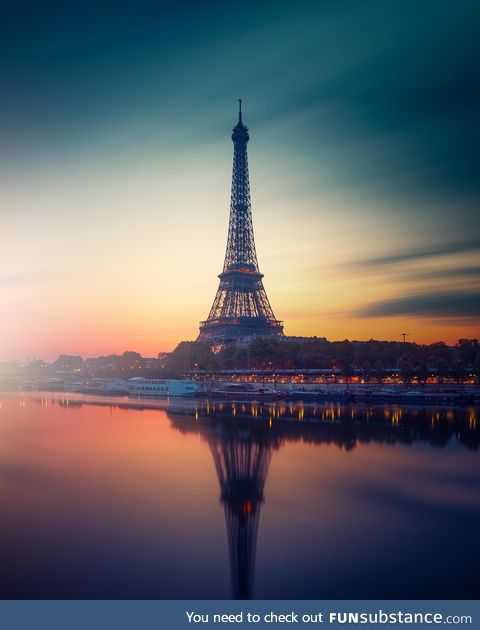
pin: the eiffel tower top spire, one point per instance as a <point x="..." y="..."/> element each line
<point x="240" y="132"/>
<point x="240" y="251"/>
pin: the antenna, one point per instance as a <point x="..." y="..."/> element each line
<point x="240" y="110"/>
<point x="404" y="335"/>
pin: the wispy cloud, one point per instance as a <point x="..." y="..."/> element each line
<point x="39" y="276"/>
<point x="433" y="251"/>
<point x="440" y="304"/>
<point x="21" y="280"/>
<point x="464" y="273"/>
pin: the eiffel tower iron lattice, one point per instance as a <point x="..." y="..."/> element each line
<point x="241" y="309"/>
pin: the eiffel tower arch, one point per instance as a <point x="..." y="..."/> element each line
<point x="241" y="309"/>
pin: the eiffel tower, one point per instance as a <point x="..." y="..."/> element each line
<point x="240" y="310"/>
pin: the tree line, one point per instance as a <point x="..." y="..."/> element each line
<point x="371" y="357"/>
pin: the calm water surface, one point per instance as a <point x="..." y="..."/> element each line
<point x="102" y="498"/>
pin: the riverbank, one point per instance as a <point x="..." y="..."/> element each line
<point x="410" y="394"/>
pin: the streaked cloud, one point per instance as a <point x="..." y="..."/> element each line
<point x="437" y="305"/>
<point x="21" y="280"/>
<point x="458" y="273"/>
<point x="428" y="251"/>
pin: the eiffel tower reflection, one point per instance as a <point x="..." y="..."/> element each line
<point x="241" y="454"/>
<point x="242" y="438"/>
<point x="241" y="461"/>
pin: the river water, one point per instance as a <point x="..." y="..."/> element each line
<point x="111" y="498"/>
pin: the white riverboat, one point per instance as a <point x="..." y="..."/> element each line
<point x="163" y="388"/>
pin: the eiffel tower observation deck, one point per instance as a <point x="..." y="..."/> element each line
<point x="240" y="310"/>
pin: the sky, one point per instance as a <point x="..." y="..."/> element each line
<point x="116" y="156"/>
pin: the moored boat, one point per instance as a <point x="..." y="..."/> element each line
<point x="244" y="391"/>
<point x="414" y="397"/>
<point x="162" y="388"/>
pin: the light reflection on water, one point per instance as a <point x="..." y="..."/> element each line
<point x="107" y="498"/>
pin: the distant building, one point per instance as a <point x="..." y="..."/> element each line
<point x="303" y="339"/>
